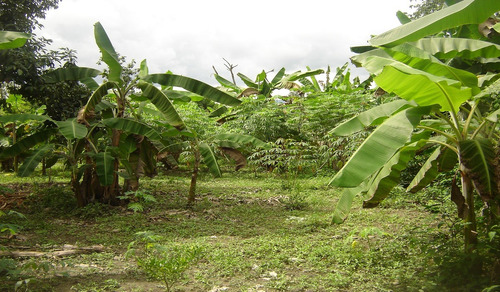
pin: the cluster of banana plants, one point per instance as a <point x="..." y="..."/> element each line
<point x="111" y="138"/>
<point x="443" y="69"/>
<point x="263" y="88"/>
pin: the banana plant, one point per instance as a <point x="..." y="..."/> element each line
<point x="113" y="124"/>
<point x="229" y="144"/>
<point x="440" y="107"/>
<point x="262" y="87"/>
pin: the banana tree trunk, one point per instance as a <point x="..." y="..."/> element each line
<point x="113" y="191"/>
<point x="470" y="229"/>
<point x="194" y="176"/>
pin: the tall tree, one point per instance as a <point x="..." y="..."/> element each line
<point x="21" y="68"/>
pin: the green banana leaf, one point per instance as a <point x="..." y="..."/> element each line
<point x="278" y="76"/>
<point x="70" y="73"/>
<point x="128" y="144"/>
<point x="109" y="56"/>
<point x="424" y="61"/>
<point x="184" y="96"/>
<point x="227" y="84"/>
<point x="209" y="158"/>
<point x="370" y="117"/>
<point x="143" y="69"/>
<point x="478" y="156"/>
<point x="71" y="129"/>
<point x="417" y="85"/>
<point x="448" y="48"/>
<point x="248" y="82"/>
<point x="194" y="86"/>
<point x="313" y="79"/>
<point x="105" y="167"/>
<point x="427" y="173"/>
<point x="379" y="147"/>
<point x="33" y="160"/>
<point x="163" y="104"/>
<point x="389" y="175"/>
<point x="345" y="202"/>
<point x="13" y="39"/>
<point x="447" y="160"/>
<point x="218" y="112"/>
<point x="22" y="118"/>
<point x="241" y="140"/>
<point x="27" y="143"/>
<point x="97" y="96"/>
<point x="298" y="75"/>
<point x="464" y="12"/>
<point x="132" y="126"/>
<point x="403" y="18"/>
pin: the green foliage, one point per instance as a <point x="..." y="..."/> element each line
<point x="416" y="73"/>
<point x="108" y="285"/>
<point x="138" y="200"/>
<point x="286" y="155"/>
<point x="54" y="199"/>
<point x="12" y="229"/>
<point x="166" y="263"/>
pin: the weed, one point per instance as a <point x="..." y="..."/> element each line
<point x="163" y="262"/>
<point x="138" y="200"/>
<point x="7" y="227"/>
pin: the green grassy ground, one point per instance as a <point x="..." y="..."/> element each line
<point x="261" y="233"/>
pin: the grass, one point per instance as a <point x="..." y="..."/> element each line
<point x="257" y="234"/>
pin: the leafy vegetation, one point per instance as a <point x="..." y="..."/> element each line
<point x="135" y="180"/>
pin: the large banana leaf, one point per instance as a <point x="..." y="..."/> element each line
<point x="248" y="82"/>
<point x="71" y="129"/>
<point x="447" y="48"/>
<point x="422" y="87"/>
<point x="97" y="96"/>
<point x="218" y="112"/>
<point x="70" y="73"/>
<point x="21" y="118"/>
<point x="128" y="144"/>
<point x="163" y="104"/>
<point x="370" y="117"/>
<point x="33" y="160"/>
<point x="241" y="140"/>
<point x="13" y="39"/>
<point x="278" y="76"/>
<point x="226" y="83"/>
<point x="389" y="175"/>
<point x="26" y="143"/>
<point x="109" y="56"/>
<point x="143" y="69"/>
<point x="209" y="158"/>
<point x="427" y="173"/>
<point x="478" y="157"/>
<point x="105" y="167"/>
<point x="424" y="61"/>
<point x="379" y="147"/>
<point x="345" y="202"/>
<point x="194" y="86"/>
<point x="132" y="126"/>
<point x="464" y="12"/>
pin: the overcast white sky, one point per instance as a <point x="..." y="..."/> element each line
<point x="189" y="36"/>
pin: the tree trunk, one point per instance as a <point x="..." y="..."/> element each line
<point x="194" y="176"/>
<point x="470" y="229"/>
